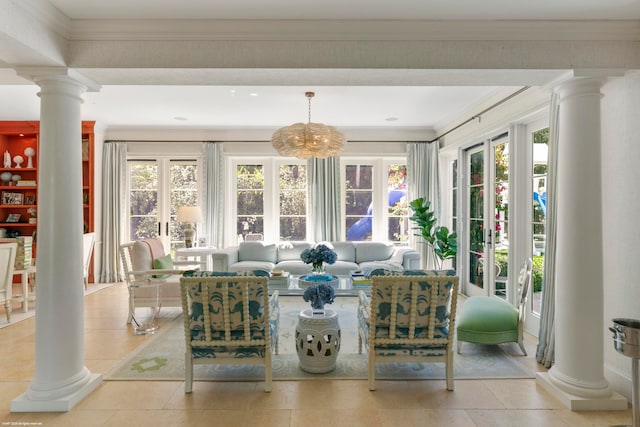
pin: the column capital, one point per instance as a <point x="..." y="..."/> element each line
<point x="42" y="75"/>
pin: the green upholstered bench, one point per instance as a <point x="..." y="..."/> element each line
<point x="490" y="320"/>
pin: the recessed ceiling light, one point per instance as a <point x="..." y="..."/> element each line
<point x="180" y="118"/>
<point x="253" y="94"/>
<point x="391" y="119"/>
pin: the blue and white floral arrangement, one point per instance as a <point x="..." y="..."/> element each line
<point x="317" y="256"/>
<point x="318" y="296"/>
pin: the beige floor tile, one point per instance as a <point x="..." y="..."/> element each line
<point x="425" y="418"/>
<point x="75" y="418"/>
<point x="120" y="395"/>
<point x="467" y="394"/>
<point x="322" y="417"/>
<point x="597" y="419"/>
<point x="518" y="418"/>
<point x="522" y="394"/>
<point x="155" y="418"/>
<point x="209" y="395"/>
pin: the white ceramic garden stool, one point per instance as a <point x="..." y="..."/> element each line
<point x="317" y="341"/>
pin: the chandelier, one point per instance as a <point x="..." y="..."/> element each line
<point x="308" y="140"/>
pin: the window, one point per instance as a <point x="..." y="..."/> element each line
<point x="250" y="200"/>
<point x="293" y="202"/>
<point x="270" y="200"/>
<point x="539" y="212"/>
<point x="375" y="199"/>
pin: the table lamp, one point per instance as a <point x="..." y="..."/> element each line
<point x="189" y="215"/>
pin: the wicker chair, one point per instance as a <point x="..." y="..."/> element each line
<point x="413" y="318"/>
<point x="239" y="325"/>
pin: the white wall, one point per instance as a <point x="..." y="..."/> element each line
<point x="621" y="208"/>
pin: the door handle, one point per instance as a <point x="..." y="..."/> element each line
<point x="159" y="229"/>
<point x="489" y="238"/>
<point x="167" y="228"/>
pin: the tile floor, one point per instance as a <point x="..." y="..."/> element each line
<point x="480" y="403"/>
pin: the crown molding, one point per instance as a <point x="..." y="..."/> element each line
<point x="83" y="30"/>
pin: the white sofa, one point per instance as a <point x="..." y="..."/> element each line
<point x="285" y="256"/>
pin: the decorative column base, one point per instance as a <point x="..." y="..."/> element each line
<point x="611" y="402"/>
<point x="22" y="403"/>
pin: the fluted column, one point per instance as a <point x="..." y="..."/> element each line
<point x="61" y="379"/>
<point x="577" y="376"/>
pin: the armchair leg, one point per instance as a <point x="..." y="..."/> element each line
<point x="188" y="372"/>
<point x="372" y="372"/>
<point x="7" y="309"/>
<point x="459" y="346"/>
<point x="449" y="369"/>
<point x="521" y="344"/>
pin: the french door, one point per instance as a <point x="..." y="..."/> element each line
<point x="157" y="188"/>
<point x="486" y="201"/>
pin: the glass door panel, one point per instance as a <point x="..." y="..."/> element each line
<point x="475" y="221"/>
<point x="157" y="188"/>
<point x="500" y="227"/>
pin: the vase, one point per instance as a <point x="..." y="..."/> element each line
<point x="317" y="267"/>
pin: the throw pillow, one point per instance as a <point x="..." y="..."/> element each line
<point x="162" y="263"/>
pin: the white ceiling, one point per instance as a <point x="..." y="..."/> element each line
<point x="349" y="9"/>
<point x="241" y="103"/>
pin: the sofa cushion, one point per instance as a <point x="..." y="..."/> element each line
<point x="257" y="251"/>
<point x="294" y="267"/>
<point x="290" y="251"/>
<point x="373" y="251"/>
<point x="341" y="268"/>
<point x="252" y="265"/>
<point x="144" y="252"/>
<point x="385" y="265"/>
<point x="346" y="251"/>
<point x="162" y="263"/>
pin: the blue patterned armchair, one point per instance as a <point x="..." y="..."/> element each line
<point x="409" y="317"/>
<point x="228" y="318"/>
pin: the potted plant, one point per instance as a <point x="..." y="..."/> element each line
<point x="318" y="296"/>
<point x="443" y="244"/>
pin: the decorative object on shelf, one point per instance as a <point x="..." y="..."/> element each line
<point x="10" y="198"/>
<point x="15" y="179"/>
<point x="6" y="176"/>
<point x="14" y="217"/>
<point x="318" y="296"/>
<point x="18" y="160"/>
<point x="442" y="244"/>
<point x="30" y="200"/>
<point x="32" y="215"/>
<point x="29" y="152"/>
<point x="308" y="140"/>
<point x="7" y="159"/>
<point x="189" y="215"/>
<point x="317" y="256"/>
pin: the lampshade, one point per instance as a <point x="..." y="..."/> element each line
<point x="189" y="214"/>
<point x="308" y="140"/>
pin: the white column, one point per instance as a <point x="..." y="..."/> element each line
<point x="577" y="377"/>
<point x="61" y="379"/>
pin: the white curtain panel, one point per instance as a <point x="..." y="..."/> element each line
<point x="323" y="182"/>
<point x="545" y="352"/>
<point x="423" y="176"/>
<point x="213" y="193"/>
<point x="114" y="175"/>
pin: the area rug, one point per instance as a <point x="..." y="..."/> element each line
<point x="162" y="358"/>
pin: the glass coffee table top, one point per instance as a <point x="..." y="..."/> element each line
<point x="345" y="286"/>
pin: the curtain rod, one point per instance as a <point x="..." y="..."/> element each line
<point x="478" y="116"/>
